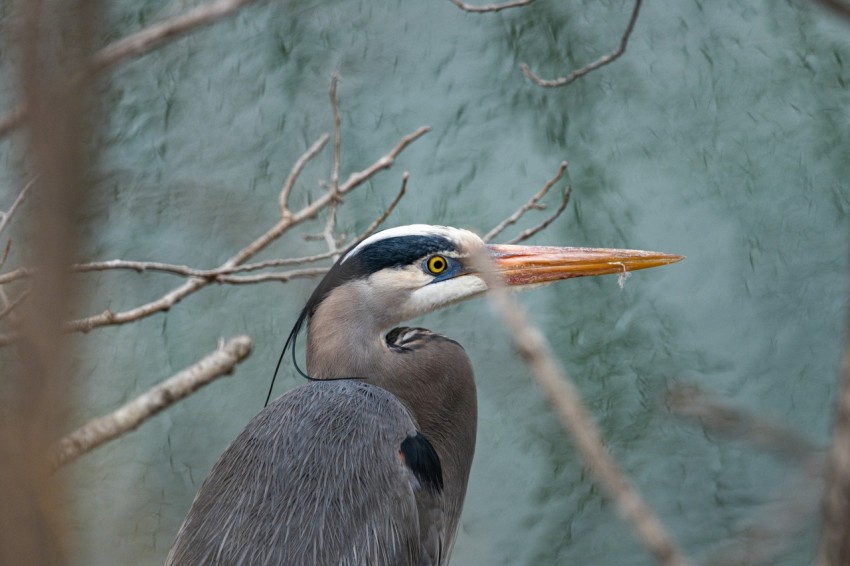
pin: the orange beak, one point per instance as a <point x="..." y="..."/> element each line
<point x="533" y="265"/>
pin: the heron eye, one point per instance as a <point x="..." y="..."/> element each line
<point x="437" y="264"/>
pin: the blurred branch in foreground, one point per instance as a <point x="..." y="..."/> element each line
<point x="53" y="42"/>
<point x="837" y="7"/>
<point x="719" y="416"/>
<point x="128" y="417"/>
<point x="601" y="62"/>
<point x="578" y="424"/>
<point x="835" y="536"/>
<point x="792" y="508"/>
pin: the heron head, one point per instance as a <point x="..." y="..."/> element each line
<point x="408" y="271"/>
<point x="403" y="272"/>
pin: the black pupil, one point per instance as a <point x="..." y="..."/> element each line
<point x="438" y="264"/>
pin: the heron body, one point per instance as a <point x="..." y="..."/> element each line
<point x="368" y="462"/>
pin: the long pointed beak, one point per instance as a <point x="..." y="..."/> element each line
<point x="533" y="265"/>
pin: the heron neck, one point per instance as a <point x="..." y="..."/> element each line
<point x="432" y="376"/>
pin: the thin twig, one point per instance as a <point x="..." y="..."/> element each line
<point x="384" y="215"/>
<point x="280" y="276"/>
<point x="7" y="216"/>
<point x="111" y="318"/>
<point x="222" y="275"/>
<point x="531" y="203"/>
<point x="14" y="275"/>
<point x="565" y="400"/>
<point x="6" y="251"/>
<point x="142" y="266"/>
<point x="131" y="415"/>
<point x="330" y="221"/>
<point x="356" y="179"/>
<point x="328" y="232"/>
<point x="283" y="199"/>
<point x="330" y="224"/>
<point x="601" y="62"/>
<point x="337" y="136"/>
<point x="215" y="275"/>
<point x="529" y="232"/>
<point x="281" y="262"/>
<point x="490" y="7"/>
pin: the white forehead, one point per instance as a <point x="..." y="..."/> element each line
<point x="463" y="238"/>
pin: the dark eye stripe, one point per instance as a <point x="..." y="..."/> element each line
<point x="387" y="253"/>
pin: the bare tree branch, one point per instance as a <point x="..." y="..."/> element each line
<point x="337" y="136"/>
<point x="384" y="215"/>
<point x="212" y="275"/>
<point x="220" y="275"/>
<point x="531" y="203"/>
<point x="529" y="232"/>
<point x="280" y="262"/>
<point x="356" y="179"/>
<point x="5" y="217"/>
<point x="565" y="400"/>
<point x="108" y="317"/>
<point x="111" y="318"/>
<point x="6" y="251"/>
<point x="128" y="417"/>
<point x="313" y="150"/>
<point x="16" y="274"/>
<point x="142" y="42"/>
<point x="601" y="62"/>
<point x="330" y="221"/>
<point x="490" y="7"/>
<point x="280" y="276"/>
<point x="160" y="33"/>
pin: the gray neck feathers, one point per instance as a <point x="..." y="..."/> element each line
<point x="432" y="377"/>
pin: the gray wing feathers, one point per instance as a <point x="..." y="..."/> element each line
<point x="318" y="473"/>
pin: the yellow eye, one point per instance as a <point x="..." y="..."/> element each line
<point x="437" y="264"/>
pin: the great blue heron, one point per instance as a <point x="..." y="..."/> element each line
<point x="368" y="462"/>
